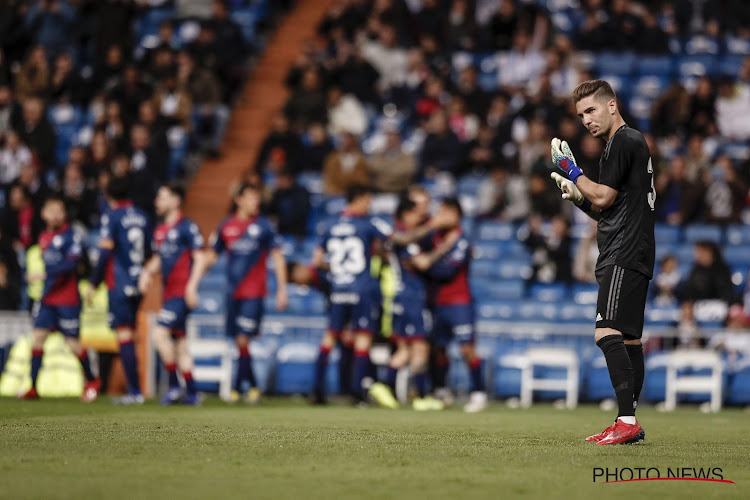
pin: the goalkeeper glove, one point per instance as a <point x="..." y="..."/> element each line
<point x="563" y="158"/>
<point x="571" y="192"/>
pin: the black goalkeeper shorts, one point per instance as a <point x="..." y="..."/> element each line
<point x="622" y="300"/>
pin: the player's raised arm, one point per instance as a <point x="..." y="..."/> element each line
<point x="425" y="261"/>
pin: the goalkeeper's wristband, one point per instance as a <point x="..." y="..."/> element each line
<point x="573" y="171"/>
<point x="585" y="206"/>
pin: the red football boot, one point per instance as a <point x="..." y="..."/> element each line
<point x="91" y="391"/>
<point x="601" y="435"/>
<point x="30" y="394"/>
<point x="623" y="433"/>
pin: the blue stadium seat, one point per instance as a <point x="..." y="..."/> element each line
<point x="663" y="249"/>
<point x="697" y="65"/>
<point x="494" y="230"/>
<point x="497" y="309"/>
<point x="212" y="302"/>
<point x="213" y="281"/>
<point x="730" y="64"/>
<point x="664" y="233"/>
<point x="736" y="45"/>
<point x="615" y="63"/>
<point x="655" y="65"/>
<point x="736" y="255"/>
<point x="469" y="185"/>
<point x="486" y="251"/>
<point x="484" y="269"/>
<point x="596" y="383"/>
<point x="739" y="382"/>
<point x="548" y="292"/>
<point x="650" y="86"/>
<point x="739" y="276"/>
<point x="585" y="293"/>
<point x="578" y="313"/>
<point x="514" y="268"/>
<point x="702" y="44"/>
<point x="737" y="151"/>
<point x="263" y="351"/>
<point x="697" y="232"/>
<point x="684" y="253"/>
<point x="295" y="365"/>
<point x="662" y="315"/>
<point x="538" y="311"/>
<point x="498" y="289"/>
<point x="488" y="70"/>
<point x="655" y="380"/>
<point x="507" y="374"/>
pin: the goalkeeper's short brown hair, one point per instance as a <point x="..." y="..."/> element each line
<point x="597" y="88"/>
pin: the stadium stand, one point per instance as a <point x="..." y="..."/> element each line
<point x="473" y="106"/>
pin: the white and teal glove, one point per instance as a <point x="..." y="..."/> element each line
<point x="571" y="192"/>
<point x="563" y="158"/>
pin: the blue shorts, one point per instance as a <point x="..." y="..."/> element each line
<point x="244" y="317"/>
<point x="65" y="319"/>
<point x="123" y="309"/>
<point x="173" y="315"/>
<point x="453" y="322"/>
<point x="352" y="309"/>
<point x="409" y="319"/>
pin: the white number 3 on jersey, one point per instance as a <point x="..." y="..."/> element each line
<point x="652" y="194"/>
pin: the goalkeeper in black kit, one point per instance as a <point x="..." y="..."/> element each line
<point x="622" y="201"/>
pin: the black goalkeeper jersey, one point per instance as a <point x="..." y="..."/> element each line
<point x="626" y="229"/>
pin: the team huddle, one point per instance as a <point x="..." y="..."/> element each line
<point x="428" y="253"/>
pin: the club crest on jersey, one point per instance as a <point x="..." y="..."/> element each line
<point x="253" y="230"/>
<point x="57" y="241"/>
<point x="172" y="234"/>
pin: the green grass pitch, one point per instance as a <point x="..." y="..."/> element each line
<point x="285" y="449"/>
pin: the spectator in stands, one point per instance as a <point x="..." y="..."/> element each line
<point x="461" y="31"/>
<point x="173" y="102"/>
<point x="476" y="100"/>
<point x="463" y="124"/>
<point x="544" y="200"/>
<point x="665" y="284"/>
<point x="678" y="199"/>
<point x="482" y="151"/>
<point x="10" y="276"/>
<point x="703" y="108"/>
<point x="355" y="75"/>
<point x="670" y="112"/>
<point x="20" y="224"/>
<point x="80" y="201"/>
<point x="725" y="193"/>
<point x="316" y="148"/>
<point x="30" y="179"/>
<point x="550" y="250"/>
<point x="500" y="117"/>
<point x="37" y="133"/>
<point x="563" y="76"/>
<point x="212" y="114"/>
<point x="114" y="125"/>
<point x="709" y="279"/>
<point x="33" y="77"/>
<point x="442" y="151"/>
<point x="166" y="42"/>
<point x="130" y="91"/>
<point x="732" y="110"/>
<point x="586" y="255"/>
<point x="290" y="205"/>
<point x="503" y="25"/>
<point x="504" y="196"/>
<point x="156" y="125"/>
<point x="651" y="38"/>
<point x="162" y="64"/>
<point x="697" y="161"/>
<point x="523" y="64"/>
<point x="622" y="26"/>
<point x="430" y="18"/>
<point x="345" y="113"/>
<point x="392" y="169"/>
<point x="10" y="111"/>
<point x="99" y="158"/>
<point x="307" y="104"/>
<point x="204" y="48"/>
<point x="108" y="71"/>
<point x="591" y="150"/>
<point x="13" y="156"/>
<point x="388" y="59"/>
<point x="231" y="47"/>
<point x="344" y="167"/>
<point x="113" y="26"/>
<point x="147" y="163"/>
<point x="66" y="87"/>
<point x="534" y="146"/>
<point x="51" y="24"/>
<point x="281" y="148"/>
<point x="431" y="100"/>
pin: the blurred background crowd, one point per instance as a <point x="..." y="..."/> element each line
<point x="461" y="96"/>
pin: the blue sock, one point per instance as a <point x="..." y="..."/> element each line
<point x="475" y="369"/>
<point x="130" y="365"/>
<point x="390" y="378"/>
<point x="84" y="359"/>
<point x="243" y="369"/>
<point x="189" y="382"/>
<point x="440" y="370"/>
<point x="172" y="372"/>
<point x="420" y="381"/>
<point x="319" y="382"/>
<point x="361" y="364"/>
<point x="36" y="364"/>
<point x="345" y="366"/>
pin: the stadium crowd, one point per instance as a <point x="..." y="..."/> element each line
<point x="461" y="96"/>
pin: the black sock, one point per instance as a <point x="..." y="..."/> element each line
<point x="635" y="352"/>
<point x="620" y="372"/>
